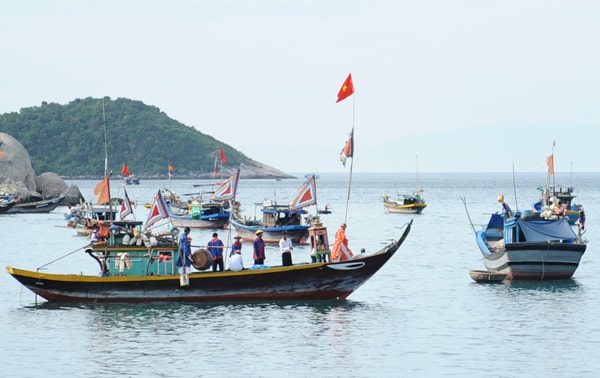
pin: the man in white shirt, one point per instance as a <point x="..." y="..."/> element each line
<point x="286" y="247"/>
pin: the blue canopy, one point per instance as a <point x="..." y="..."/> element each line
<point x="545" y="230"/>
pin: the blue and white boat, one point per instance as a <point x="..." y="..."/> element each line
<point x="277" y="218"/>
<point x="530" y="247"/>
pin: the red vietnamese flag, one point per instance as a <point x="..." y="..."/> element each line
<point x="550" y="164"/>
<point x="223" y="158"/>
<point x="125" y="171"/>
<point x="346" y="90"/>
<point x="102" y="190"/>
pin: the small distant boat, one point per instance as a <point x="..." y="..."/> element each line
<point x="41" y="206"/>
<point x="487" y="276"/>
<point x="554" y="195"/>
<point x="132" y="179"/>
<point x="201" y="214"/>
<point x="530" y="247"/>
<point x="404" y="204"/>
<point x="325" y="210"/>
<point x="128" y="177"/>
<point x="277" y="218"/>
<point x="5" y="205"/>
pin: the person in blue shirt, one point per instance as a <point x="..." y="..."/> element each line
<point x="236" y="246"/>
<point x="185" y="250"/>
<point x="215" y="247"/>
<point x="259" y="249"/>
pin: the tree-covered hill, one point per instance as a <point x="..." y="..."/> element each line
<point x="69" y="140"/>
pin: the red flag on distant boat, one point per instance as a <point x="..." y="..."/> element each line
<point x="348" y="149"/>
<point x="346" y="90"/>
<point x="228" y="189"/>
<point x="223" y="158"/>
<point x="550" y="164"/>
<point x="102" y="190"/>
<point x="125" y="171"/>
<point x="126" y="207"/>
<point x="171" y="168"/>
<point x="306" y="194"/>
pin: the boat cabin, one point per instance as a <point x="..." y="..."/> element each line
<point x="277" y="216"/>
<point x="125" y="250"/>
<point x="319" y="242"/>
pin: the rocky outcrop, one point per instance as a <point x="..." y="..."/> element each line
<point x="17" y="176"/>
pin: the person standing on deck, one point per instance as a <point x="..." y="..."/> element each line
<point x="185" y="250"/>
<point x="236" y="246"/>
<point x="259" y="249"/>
<point x="286" y="247"/>
<point x="506" y="211"/>
<point x="340" y="250"/>
<point x="215" y="247"/>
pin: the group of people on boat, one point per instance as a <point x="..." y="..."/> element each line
<point x="552" y="208"/>
<point x="339" y="252"/>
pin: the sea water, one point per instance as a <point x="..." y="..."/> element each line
<point x="421" y="315"/>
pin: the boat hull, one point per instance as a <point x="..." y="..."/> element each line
<point x="404" y="209"/>
<point x="316" y="281"/>
<point x="297" y="233"/>
<point x="43" y="206"/>
<point x="217" y="221"/>
<point x="533" y="261"/>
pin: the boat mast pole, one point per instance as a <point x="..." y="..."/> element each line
<point x="417" y="167"/>
<point x="553" y="173"/>
<point x="106" y="163"/>
<point x="515" y="189"/>
<point x="351" y="165"/>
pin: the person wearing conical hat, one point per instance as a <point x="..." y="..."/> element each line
<point x="236" y="262"/>
<point x="259" y="249"/>
<point x="236" y="246"/>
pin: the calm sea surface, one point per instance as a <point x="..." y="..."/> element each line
<point x="420" y="316"/>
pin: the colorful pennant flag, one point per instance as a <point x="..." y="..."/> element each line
<point x="306" y="194"/>
<point x="222" y="155"/>
<point x="346" y="90"/>
<point x="126" y="207"/>
<point x="158" y="211"/>
<point x="348" y="150"/>
<point x="228" y="189"/>
<point x="102" y="190"/>
<point x="125" y="171"/>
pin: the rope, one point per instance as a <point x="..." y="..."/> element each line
<point x="62" y="257"/>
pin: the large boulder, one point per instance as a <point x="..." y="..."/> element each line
<point x="52" y="185"/>
<point x="16" y="172"/>
<point x="17" y="176"/>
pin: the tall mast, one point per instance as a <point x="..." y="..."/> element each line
<point x="105" y="141"/>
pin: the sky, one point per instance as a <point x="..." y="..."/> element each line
<point x="440" y="86"/>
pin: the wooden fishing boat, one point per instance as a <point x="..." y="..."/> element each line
<point x="277" y="218"/>
<point x="5" y="205"/>
<point x="486" y="276"/>
<point x="41" y="206"/>
<point x="404" y="204"/>
<point x="530" y="247"/>
<point x="200" y="214"/>
<point x="147" y="273"/>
